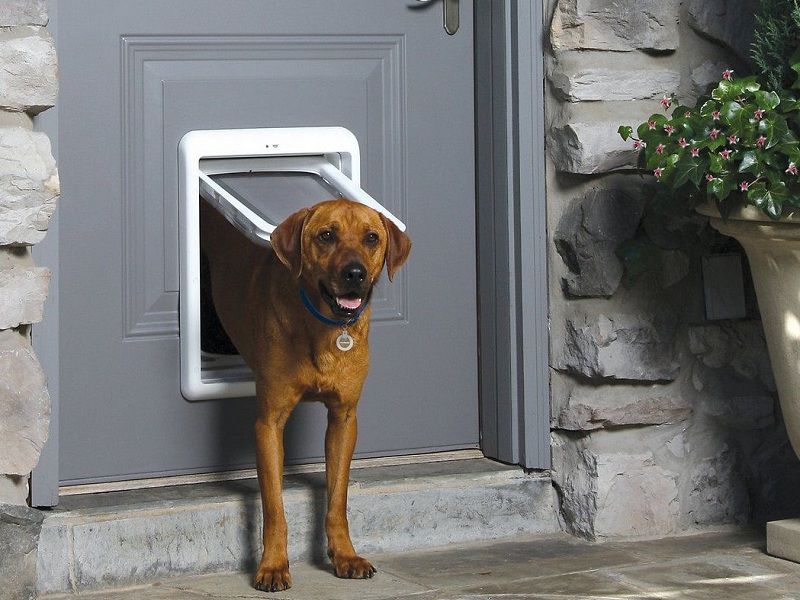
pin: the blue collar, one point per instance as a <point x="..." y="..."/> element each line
<point x="323" y="319"/>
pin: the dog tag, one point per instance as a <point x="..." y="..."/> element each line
<point x="344" y="342"/>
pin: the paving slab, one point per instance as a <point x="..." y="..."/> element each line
<point x="595" y="584"/>
<point x="678" y="547"/>
<point x="724" y="566"/>
<point x="474" y="564"/>
<point x="713" y="577"/>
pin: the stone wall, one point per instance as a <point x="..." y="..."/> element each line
<point x="28" y="193"/>
<point x="661" y="421"/>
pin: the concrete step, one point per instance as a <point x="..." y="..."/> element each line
<point x="127" y="538"/>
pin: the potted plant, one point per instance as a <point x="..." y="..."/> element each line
<point x="735" y="157"/>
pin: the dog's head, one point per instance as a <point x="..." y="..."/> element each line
<point x="338" y="248"/>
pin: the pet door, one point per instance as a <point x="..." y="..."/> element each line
<point x="255" y="178"/>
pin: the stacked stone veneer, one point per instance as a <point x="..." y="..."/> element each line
<point x="661" y="421"/>
<point x="28" y="192"/>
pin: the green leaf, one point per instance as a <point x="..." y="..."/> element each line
<point x="708" y="107"/>
<point x="644" y="129"/>
<point x="672" y="160"/>
<point x="713" y="144"/>
<point x="717" y="164"/>
<point x="767" y="158"/>
<point x="724" y="90"/>
<point x="791" y="150"/>
<point x="777" y="185"/>
<point x="749" y="162"/>
<point x="654" y="160"/>
<point x="721" y="188"/>
<point x="688" y="169"/>
<point x="679" y="111"/>
<point x="790" y="105"/>
<point x="730" y="89"/>
<point x="749" y="84"/>
<point x="768" y="200"/>
<point x="766" y="100"/>
<point x="794" y="63"/>
<point x="625" y="131"/>
<point x="686" y="131"/>
<point x="773" y="128"/>
<point x="730" y="110"/>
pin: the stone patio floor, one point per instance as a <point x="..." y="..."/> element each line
<point x="728" y="565"/>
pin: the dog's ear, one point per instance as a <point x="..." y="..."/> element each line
<point x="287" y="241"/>
<point x="398" y="247"/>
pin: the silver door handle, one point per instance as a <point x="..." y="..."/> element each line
<point x="451" y="16"/>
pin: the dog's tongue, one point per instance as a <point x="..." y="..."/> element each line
<point x="348" y="303"/>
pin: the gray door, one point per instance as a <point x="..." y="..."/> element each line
<point x="138" y="75"/>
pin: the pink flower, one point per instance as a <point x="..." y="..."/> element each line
<point x="637" y="144"/>
<point x="792" y="169"/>
<point x="713" y="133"/>
<point x="687" y="114"/>
<point x="651" y="124"/>
<point x="683" y="143"/>
<point x="695" y="152"/>
<point x="660" y="149"/>
<point x="658" y="171"/>
<point x="744" y="185"/>
<point x="761" y="141"/>
<point x="709" y="177"/>
<point x="716" y="115"/>
<point x="759" y="114"/>
<point x="726" y="154"/>
<point x="727" y="74"/>
<point x="665" y="102"/>
<point x="732" y="139"/>
<point x="669" y="129"/>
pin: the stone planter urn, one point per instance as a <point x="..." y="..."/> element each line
<point x="773" y="250"/>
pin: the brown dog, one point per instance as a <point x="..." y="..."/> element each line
<point x="334" y="252"/>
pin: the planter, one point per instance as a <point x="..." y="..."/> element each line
<point x="773" y="251"/>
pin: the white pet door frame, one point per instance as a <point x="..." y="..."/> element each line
<point x="235" y="170"/>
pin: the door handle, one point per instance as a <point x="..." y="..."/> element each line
<point x="451" y="14"/>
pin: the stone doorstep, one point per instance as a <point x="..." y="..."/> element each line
<point x="127" y="538"/>
<point x="783" y="539"/>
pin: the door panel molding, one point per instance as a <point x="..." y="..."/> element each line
<point x="153" y="67"/>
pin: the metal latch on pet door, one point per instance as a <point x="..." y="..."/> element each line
<point x="255" y="178"/>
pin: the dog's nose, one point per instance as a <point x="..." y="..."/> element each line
<point x="354" y="273"/>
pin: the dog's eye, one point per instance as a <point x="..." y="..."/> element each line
<point x="371" y="238"/>
<point x="326" y="236"/>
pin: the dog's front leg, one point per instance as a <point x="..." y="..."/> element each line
<point x="340" y="441"/>
<point x="274" y="410"/>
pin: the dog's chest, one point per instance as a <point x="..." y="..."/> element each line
<point x="328" y="370"/>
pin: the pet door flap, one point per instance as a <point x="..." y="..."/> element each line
<point x="256" y="194"/>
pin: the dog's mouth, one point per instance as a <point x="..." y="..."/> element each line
<point x="343" y="305"/>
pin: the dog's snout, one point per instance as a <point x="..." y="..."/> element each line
<point x="354" y="273"/>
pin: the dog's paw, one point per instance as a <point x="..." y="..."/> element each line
<point x="272" y="579"/>
<point x="352" y="567"/>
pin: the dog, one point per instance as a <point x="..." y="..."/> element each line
<point x="299" y="316"/>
